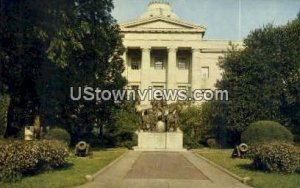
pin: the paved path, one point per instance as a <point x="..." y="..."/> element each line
<point x="162" y="170"/>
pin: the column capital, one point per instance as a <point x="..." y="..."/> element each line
<point x="146" y="48"/>
<point x="172" y="49"/>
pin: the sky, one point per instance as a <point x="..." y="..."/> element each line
<point x="224" y="19"/>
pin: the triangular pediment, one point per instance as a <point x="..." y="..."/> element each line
<point x="160" y="24"/>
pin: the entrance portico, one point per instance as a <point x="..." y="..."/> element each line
<point x="165" y="52"/>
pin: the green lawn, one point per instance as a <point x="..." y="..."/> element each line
<point x="242" y="167"/>
<point x="73" y="174"/>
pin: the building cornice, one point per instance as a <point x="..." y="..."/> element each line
<point x="131" y="26"/>
<point x="213" y="50"/>
<point x="160" y="31"/>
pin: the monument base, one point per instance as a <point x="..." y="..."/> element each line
<point x="170" y="141"/>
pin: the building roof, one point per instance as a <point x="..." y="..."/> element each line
<point x="159" y="8"/>
<point x="159" y="17"/>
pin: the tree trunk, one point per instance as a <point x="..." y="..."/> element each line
<point x="10" y="130"/>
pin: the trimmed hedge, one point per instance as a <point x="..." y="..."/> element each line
<point x="58" y="134"/>
<point x="266" y="131"/>
<point x="276" y="157"/>
<point x="20" y="158"/>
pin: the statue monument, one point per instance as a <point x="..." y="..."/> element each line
<point x="159" y="128"/>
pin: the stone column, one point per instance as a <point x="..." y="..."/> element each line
<point x="145" y="68"/>
<point x="125" y="62"/>
<point x="172" y="67"/>
<point x="145" y="72"/>
<point x="196" y="69"/>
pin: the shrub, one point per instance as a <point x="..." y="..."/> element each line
<point x="212" y="143"/>
<point x="189" y="143"/>
<point x="266" y="131"/>
<point x="129" y="144"/>
<point x="121" y="133"/>
<point x="52" y="153"/>
<point x="58" y="134"/>
<point x="276" y="157"/>
<point x="195" y="124"/>
<point x="20" y="158"/>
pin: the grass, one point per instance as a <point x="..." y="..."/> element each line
<point x="243" y="168"/>
<point x="2" y="141"/>
<point x="73" y="174"/>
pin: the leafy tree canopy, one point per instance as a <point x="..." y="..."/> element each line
<point x="263" y="79"/>
<point x="48" y="47"/>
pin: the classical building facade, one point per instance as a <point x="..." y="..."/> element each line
<point x="165" y="52"/>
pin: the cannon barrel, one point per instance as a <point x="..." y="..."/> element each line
<point x="240" y="151"/>
<point x="82" y="145"/>
<point x="82" y="149"/>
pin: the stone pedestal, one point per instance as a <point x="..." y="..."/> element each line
<point x="28" y="133"/>
<point x="170" y="141"/>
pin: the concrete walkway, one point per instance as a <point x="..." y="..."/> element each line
<point x="162" y="170"/>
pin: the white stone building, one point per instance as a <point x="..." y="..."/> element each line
<point x="165" y="52"/>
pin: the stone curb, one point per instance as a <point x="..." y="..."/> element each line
<point x="92" y="177"/>
<point x="243" y="180"/>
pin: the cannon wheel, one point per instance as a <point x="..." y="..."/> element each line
<point x="82" y="145"/>
<point x="243" y="147"/>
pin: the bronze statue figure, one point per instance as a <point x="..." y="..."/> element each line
<point x="161" y="113"/>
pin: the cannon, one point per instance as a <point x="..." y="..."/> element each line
<point x="240" y="151"/>
<point x="82" y="149"/>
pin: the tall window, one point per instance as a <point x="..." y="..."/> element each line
<point x="205" y="73"/>
<point x="182" y="63"/>
<point x="161" y="88"/>
<point x="135" y="87"/>
<point x="158" y="63"/>
<point x="135" y="63"/>
<point x="134" y="93"/>
<point x="187" y="89"/>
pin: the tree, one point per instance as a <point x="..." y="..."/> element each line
<point x="23" y="40"/>
<point x="48" y="47"/>
<point x="4" y="102"/>
<point x="93" y="58"/>
<point x="125" y="122"/>
<point x="197" y="125"/>
<point x="263" y="78"/>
